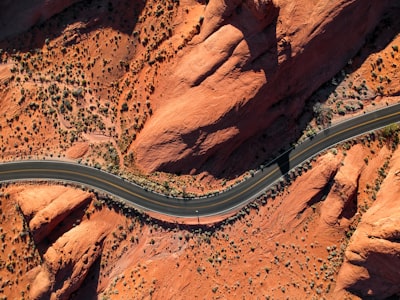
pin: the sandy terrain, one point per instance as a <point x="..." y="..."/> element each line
<point x="103" y="85"/>
<point x="140" y="88"/>
<point x="291" y="244"/>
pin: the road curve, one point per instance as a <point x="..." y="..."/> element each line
<point x="231" y="199"/>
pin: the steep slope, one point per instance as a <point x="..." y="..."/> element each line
<point x="253" y="66"/>
<point x="372" y="264"/>
<point x="18" y="16"/>
<point x="186" y="86"/>
<point x="192" y="83"/>
<point x="289" y="244"/>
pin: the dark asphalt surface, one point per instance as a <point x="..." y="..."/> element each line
<point x="228" y="200"/>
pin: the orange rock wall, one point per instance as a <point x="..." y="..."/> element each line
<point x="372" y="264"/>
<point x="291" y="246"/>
<point x="250" y="69"/>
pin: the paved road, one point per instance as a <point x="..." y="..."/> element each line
<point x="233" y="198"/>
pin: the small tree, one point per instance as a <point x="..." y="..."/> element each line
<point x="124" y="107"/>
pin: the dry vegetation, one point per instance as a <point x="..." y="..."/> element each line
<point x="367" y="82"/>
<point x="19" y="254"/>
<point x="89" y="75"/>
<point x="72" y="82"/>
<point x="282" y="245"/>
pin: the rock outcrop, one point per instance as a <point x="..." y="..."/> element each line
<point x="69" y="250"/>
<point x="44" y="213"/>
<point x="70" y="258"/>
<point x="18" y="16"/>
<point x="372" y="264"/>
<point x="95" y="251"/>
<point x="341" y="201"/>
<point x="250" y="69"/>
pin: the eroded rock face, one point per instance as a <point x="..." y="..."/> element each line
<point x="71" y="256"/>
<point x="18" y="16"/>
<point x="44" y="212"/>
<point x="252" y="66"/>
<point x="372" y="265"/>
<point x="260" y="8"/>
<point x="341" y="201"/>
<point x="69" y="250"/>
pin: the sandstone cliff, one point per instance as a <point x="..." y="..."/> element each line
<point x="185" y="87"/>
<point x="193" y="91"/>
<point x="292" y="245"/>
<point x="68" y="239"/>
<point x="252" y="66"/>
<point x="372" y="264"/>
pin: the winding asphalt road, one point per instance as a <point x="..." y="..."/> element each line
<point x="231" y="199"/>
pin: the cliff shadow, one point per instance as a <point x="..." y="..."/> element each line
<point x="270" y="142"/>
<point x="91" y="15"/>
<point x="89" y="287"/>
<point x="67" y="223"/>
<point x="378" y="39"/>
<point x="265" y="48"/>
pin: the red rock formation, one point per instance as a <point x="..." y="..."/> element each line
<point x="69" y="259"/>
<point x="18" y="16"/>
<point x="251" y="68"/>
<point x="341" y="200"/>
<point x="98" y="250"/>
<point x="78" y="150"/>
<point x="372" y="264"/>
<point x="69" y="251"/>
